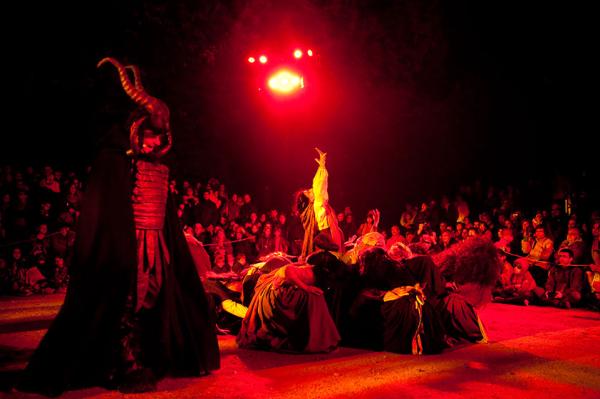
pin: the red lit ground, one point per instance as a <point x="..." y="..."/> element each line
<point x="534" y="353"/>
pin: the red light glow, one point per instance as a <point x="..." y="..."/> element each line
<point x="251" y="60"/>
<point x="285" y="82"/>
<point x="263" y="59"/>
<point x="298" y="54"/>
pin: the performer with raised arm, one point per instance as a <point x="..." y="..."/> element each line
<point x="135" y="309"/>
<point x="315" y="212"/>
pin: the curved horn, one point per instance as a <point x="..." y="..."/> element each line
<point x="134" y="136"/>
<point x="137" y="76"/>
<point x="139" y="96"/>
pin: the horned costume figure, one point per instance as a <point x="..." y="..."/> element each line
<point x="135" y="309"/>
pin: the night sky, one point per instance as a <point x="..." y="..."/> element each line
<point x="410" y="98"/>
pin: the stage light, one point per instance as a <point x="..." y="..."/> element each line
<point x="251" y="60"/>
<point x="285" y="82"/>
<point x="309" y="52"/>
<point x="298" y="54"/>
<point x="263" y="59"/>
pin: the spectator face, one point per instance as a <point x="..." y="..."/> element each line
<point x="267" y="230"/>
<point x="6" y="199"/>
<point x="43" y="229"/>
<point x="573" y="235"/>
<point x="205" y="195"/>
<point x="555" y="210"/>
<point x="472" y="233"/>
<point x="241" y="259"/>
<point x="247" y="198"/>
<point x="22" y="197"/>
<point x="564" y="258"/>
<point x="263" y="218"/>
<point x="253" y="217"/>
<point x="273" y="214"/>
<point x="59" y="262"/>
<point x="230" y="259"/>
<point x="47" y="171"/>
<point x="539" y="234"/>
<point x="507" y="235"/>
<point x="281" y="219"/>
<point x="340" y="217"/>
<point x="446" y="237"/>
<point x="240" y="201"/>
<point x="277" y="232"/>
<point x="16" y="254"/>
<point x="596" y="230"/>
<point x="220" y="261"/>
<point x="348" y="219"/>
<point x="572" y="223"/>
<point x="395" y="230"/>
<point x="64" y="230"/>
<point x="46" y="206"/>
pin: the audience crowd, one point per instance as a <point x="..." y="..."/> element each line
<point x="549" y="246"/>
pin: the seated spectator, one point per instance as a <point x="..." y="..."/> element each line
<point x="219" y="264"/>
<point x="517" y="289"/>
<point x="60" y="278"/>
<point x="575" y="243"/>
<point x="538" y="250"/>
<point x="280" y="244"/>
<point x="564" y="285"/>
<point x="265" y="243"/>
<point x="240" y="264"/>
<point x="395" y="237"/>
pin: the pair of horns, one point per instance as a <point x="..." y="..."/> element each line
<point x="158" y="110"/>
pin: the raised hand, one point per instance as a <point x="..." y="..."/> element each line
<point x="376" y="217"/>
<point x="322" y="157"/>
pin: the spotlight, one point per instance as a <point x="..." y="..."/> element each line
<point x="263" y="59"/>
<point x="251" y="60"/>
<point x="285" y="82"/>
<point x="298" y="54"/>
<point x="309" y="52"/>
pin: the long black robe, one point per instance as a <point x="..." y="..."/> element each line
<point x="81" y="346"/>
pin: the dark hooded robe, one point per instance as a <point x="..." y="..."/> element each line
<point x="82" y="346"/>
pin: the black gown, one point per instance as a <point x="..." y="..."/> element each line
<point x="81" y="346"/>
<point x="393" y="314"/>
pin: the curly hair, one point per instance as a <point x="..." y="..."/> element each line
<point x="474" y="260"/>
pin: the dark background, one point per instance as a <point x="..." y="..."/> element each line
<point x="410" y="99"/>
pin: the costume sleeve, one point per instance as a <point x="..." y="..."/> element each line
<point x="321" y="197"/>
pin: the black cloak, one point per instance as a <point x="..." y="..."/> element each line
<point x="79" y="348"/>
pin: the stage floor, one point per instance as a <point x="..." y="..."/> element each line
<point x="533" y="353"/>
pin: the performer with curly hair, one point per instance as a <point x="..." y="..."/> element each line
<point x="471" y="268"/>
<point x="135" y="309"/>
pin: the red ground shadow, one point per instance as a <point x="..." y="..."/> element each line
<point x="534" y="352"/>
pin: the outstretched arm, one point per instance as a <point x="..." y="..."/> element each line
<point x="320" y="182"/>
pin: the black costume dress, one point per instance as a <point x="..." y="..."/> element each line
<point x="83" y="345"/>
<point x="393" y="312"/>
